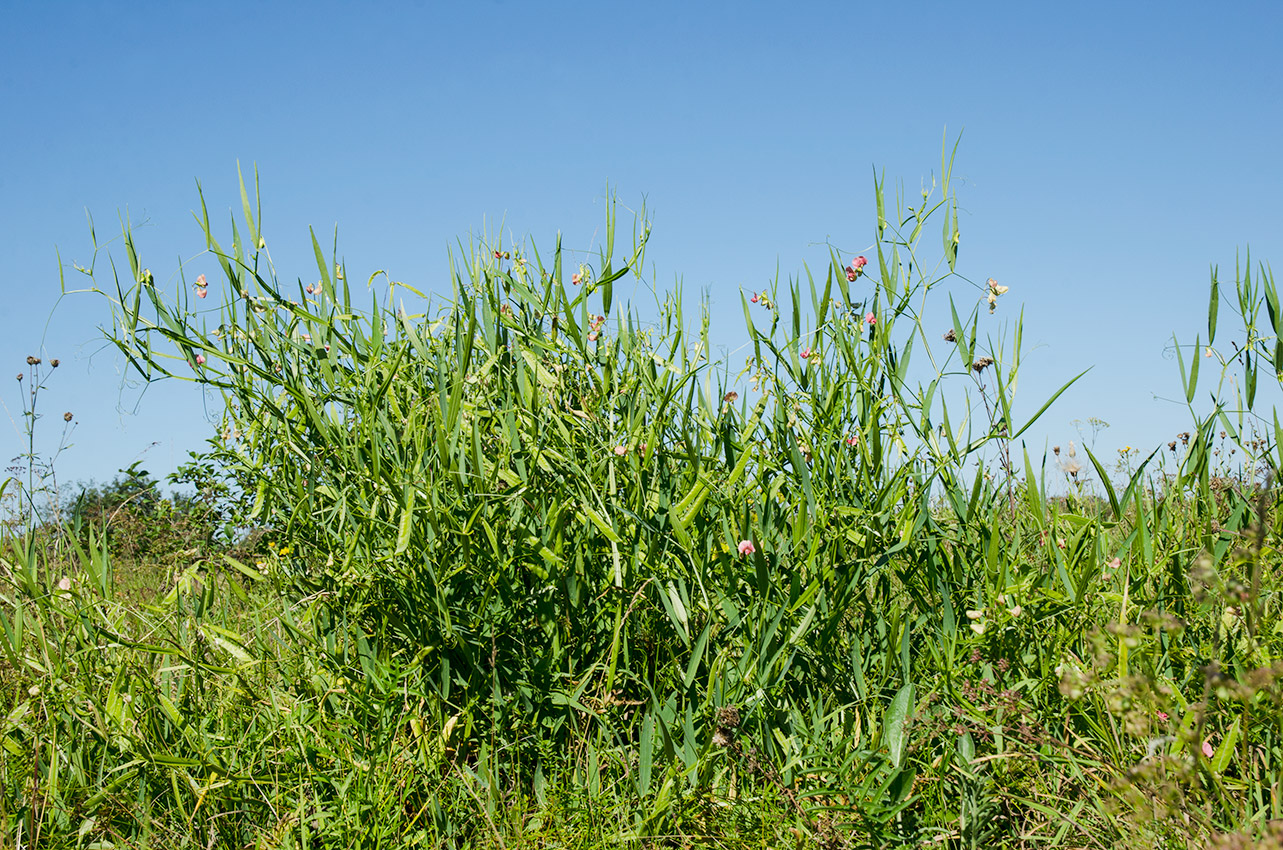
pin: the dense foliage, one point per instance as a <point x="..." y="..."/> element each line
<point x="537" y="568"/>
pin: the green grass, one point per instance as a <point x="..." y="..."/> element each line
<point x="532" y="569"/>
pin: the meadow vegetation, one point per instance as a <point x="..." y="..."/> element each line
<point x="527" y="566"/>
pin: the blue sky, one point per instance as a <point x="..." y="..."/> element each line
<point x="1110" y="153"/>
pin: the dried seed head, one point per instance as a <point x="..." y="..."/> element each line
<point x="950" y="336"/>
<point x="730" y="397"/>
<point x="982" y="363"/>
<point x="66" y="417"/>
<point x="32" y="361"/>
<point x="54" y="363"/>
<point x="1172" y="445"/>
<point x="1055" y="450"/>
<point x="728" y="716"/>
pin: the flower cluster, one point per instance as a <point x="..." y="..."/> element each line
<point x="994" y="291"/>
<point x="202" y="287"/>
<point x="856" y="268"/>
<point x="594" y="327"/>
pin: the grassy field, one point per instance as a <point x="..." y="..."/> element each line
<point x="535" y="569"/>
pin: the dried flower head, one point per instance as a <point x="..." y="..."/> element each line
<point x="33" y="361"/>
<point x="66" y="417"/>
<point x="54" y="363"/>
<point x="950" y="336"/>
<point x="981" y="364"/>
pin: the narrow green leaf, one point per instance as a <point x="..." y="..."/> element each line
<point x="1221" y="759"/>
<point x="1212" y="308"/>
<point x="697" y="655"/>
<point x="406" y="525"/>
<point x="1114" y="506"/>
<point x="1193" y="372"/>
<point x="897" y="714"/>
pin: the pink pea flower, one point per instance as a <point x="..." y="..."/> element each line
<point x="1162" y="715"/>
<point x="200" y="359"/>
<point x="576" y="278"/>
<point x="1207" y="749"/>
<point x="852" y="440"/>
<point x="621" y="450"/>
<point x="870" y="318"/>
<point x="746" y="547"/>
<point x="857" y="266"/>
<point x="202" y="286"/>
<point x="755" y="298"/>
<point x="804" y="353"/>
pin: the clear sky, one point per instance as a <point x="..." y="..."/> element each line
<point x="1110" y="153"/>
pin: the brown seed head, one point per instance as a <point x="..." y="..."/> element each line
<point x="66" y="417"/>
<point x="33" y="361"/>
<point x="54" y="363"/>
<point x="728" y="716"/>
<point x="950" y="336"/>
<point x="982" y="363"/>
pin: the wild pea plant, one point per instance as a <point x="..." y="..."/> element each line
<point x="573" y="525"/>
